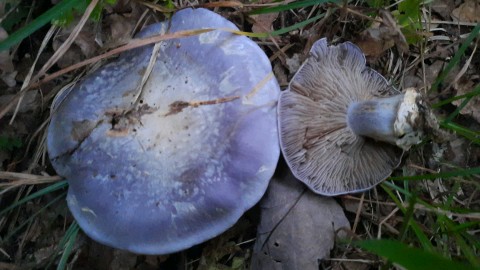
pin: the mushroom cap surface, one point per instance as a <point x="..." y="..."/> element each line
<point x="182" y="162"/>
<point x="319" y="147"/>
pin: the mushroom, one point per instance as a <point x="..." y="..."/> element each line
<point x="342" y="127"/>
<point x="160" y="161"/>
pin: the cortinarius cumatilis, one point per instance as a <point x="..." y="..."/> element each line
<point x="343" y="127"/>
<point x="159" y="161"/>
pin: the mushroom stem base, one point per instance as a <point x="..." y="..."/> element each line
<point x="396" y="119"/>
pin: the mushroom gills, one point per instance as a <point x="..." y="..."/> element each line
<point x="396" y="120"/>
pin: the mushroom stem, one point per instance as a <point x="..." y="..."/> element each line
<point x="396" y="120"/>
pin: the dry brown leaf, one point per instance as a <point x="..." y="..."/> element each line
<point x="121" y="6"/>
<point x="263" y="22"/>
<point x="231" y="4"/>
<point x="280" y="73"/>
<point x="293" y="63"/>
<point x="117" y="30"/>
<point x="9" y="78"/>
<point x="83" y="47"/>
<point x="353" y="265"/>
<point x="297" y="227"/>
<point x="6" y="66"/>
<point x="424" y="78"/>
<point x="443" y="7"/>
<point x="472" y="108"/>
<point x="30" y="101"/>
<point x="381" y="37"/>
<point x="351" y="205"/>
<point x="123" y="260"/>
<point x="44" y="253"/>
<point x="469" y="11"/>
<point x="457" y="152"/>
<point x="125" y="18"/>
<point x="433" y="71"/>
<point x="223" y="246"/>
<point x="120" y="32"/>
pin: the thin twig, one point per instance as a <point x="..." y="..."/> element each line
<point x="357" y="215"/>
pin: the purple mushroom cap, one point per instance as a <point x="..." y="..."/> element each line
<point x="161" y="167"/>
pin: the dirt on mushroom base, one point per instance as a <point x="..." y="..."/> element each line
<point x="377" y="213"/>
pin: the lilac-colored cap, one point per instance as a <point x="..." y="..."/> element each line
<point x="179" y="164"/>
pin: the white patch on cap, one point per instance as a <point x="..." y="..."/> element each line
<point x="209" y="37"/>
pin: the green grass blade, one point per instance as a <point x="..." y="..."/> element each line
<point x="407" y="219"/>
<point x="63" y="242"/>
<point x="456" y="58"/>
<point x="387" y="186"/>
<point x="409" y="223"/>
<point x="409" y="257"/>
<point x="471" y="135"/>
<point x="471" y="239"/>
<point x="49" y="189"/>
<point x="465" y="248"/>
<point x="30" y="219"/>
<point x="289" y="6"/>
<point x="461" y="244"/>
<point x="282" y="30"/>
<point x="296" y="26"/>
<point x="422" y="237"/>
<point x="464" y="226"/>
<point x="392" y="195"/>
<point x="455" y="173"/>
<point x="475" y="92"/>
<point x="51" y="14"/>
<point x="8" y="144"/>
<point x="69" y="242"/>
<point x="461" y="130"/>
<point x="457" y="110"/>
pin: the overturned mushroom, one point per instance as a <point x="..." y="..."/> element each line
<point x="160" y="161"/>
<point x="342" y="127"/>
